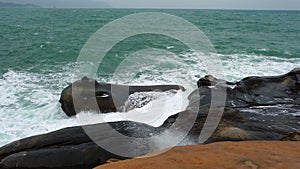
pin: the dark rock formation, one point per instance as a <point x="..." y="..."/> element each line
<point x="85" y="155"/>
<point x="91" y="95"/>
<point x="265" y="108"/>
<point x="256" y="108"/>
<point x="257" y="91"/>
<point x="71" y="148"/>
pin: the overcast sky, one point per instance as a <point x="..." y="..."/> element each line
<point x="211" y="4"/>
<point x="199" y="4"/>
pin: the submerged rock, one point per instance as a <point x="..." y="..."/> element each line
<point x="91" y="95"/>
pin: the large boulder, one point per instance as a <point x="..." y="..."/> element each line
<point x="103" y="97"/>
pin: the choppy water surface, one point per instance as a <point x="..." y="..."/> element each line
<point x="39" y="48"/>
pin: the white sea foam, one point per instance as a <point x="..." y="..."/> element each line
<point x="239" y="66"/>
<point x="154" y="113"/>
<point x="29" y="105"/>
<point x="152" y="67"/>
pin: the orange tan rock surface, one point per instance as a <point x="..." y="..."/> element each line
<point x="221" y="155"/>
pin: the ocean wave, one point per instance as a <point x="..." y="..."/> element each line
<point x="29" y="101"/>
<point x="238" y="66"/>
<point x="29" y="104"/>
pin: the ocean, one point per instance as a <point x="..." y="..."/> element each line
<point x="39" y="50"/>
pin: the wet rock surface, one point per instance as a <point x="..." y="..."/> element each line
<point x="264" y="107"/>
<point x="89" y="95"/>
<point x="74" y="147"/>
<point x="256" y="91"/>
<point x="256" y="108"/>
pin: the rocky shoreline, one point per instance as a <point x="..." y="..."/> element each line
<point x="255" y="108"/>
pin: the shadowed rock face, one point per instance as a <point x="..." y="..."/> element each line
<point x="266" y="108"/>
<point x="256" y="108"/>
<point x="71" y="148"/>
<point x="103" y="97"/>
<point x="257" y="91"/>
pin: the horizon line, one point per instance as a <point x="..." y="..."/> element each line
<point x="157" y="8"/>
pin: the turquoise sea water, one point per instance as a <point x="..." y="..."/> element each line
<point x="39" y="49"/>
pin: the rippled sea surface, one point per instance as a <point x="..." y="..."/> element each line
<point x="39" y="49"/>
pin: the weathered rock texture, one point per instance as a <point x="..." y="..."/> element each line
<point x="225" y="155"/>
<point x="101" y="97"/>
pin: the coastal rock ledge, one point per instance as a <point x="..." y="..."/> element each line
<point x="238" y="155"/>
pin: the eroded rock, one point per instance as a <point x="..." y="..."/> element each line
<point x="89" y="95"/>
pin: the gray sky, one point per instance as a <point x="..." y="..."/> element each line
<point x="198" y="4"/>
<point x="210" y="4"/>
